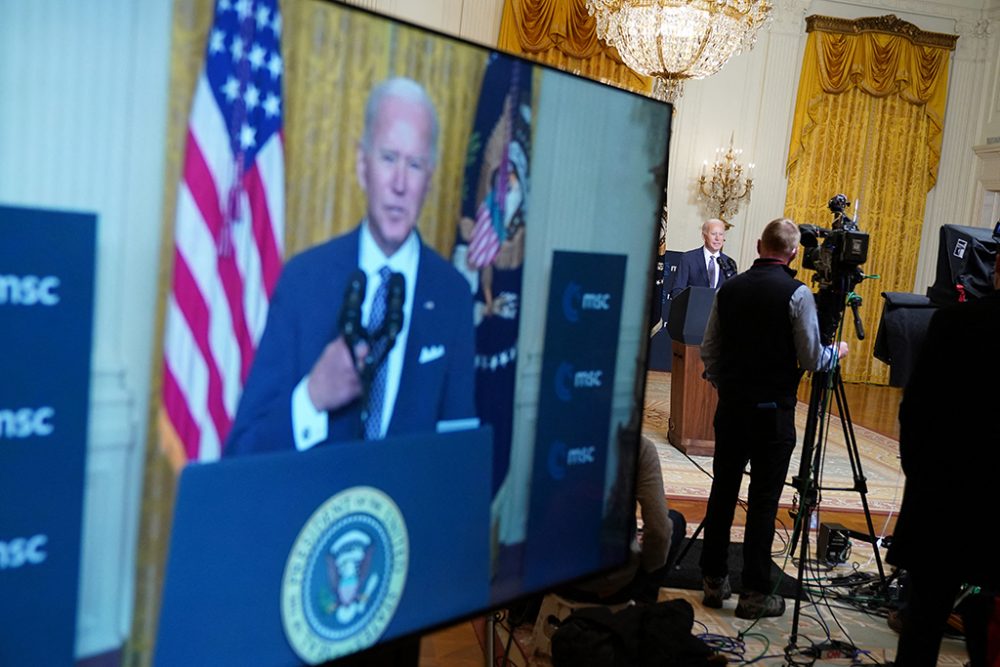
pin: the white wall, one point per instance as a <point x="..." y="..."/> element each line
<point x="991" y="129"/>
<point x="83" y="92"/>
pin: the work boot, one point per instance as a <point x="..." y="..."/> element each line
<point x="716" y="590"/>
<point x="758" y="605"/>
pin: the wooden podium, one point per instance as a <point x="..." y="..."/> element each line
<point x="692" y="398"/>
<point x="692" y="403"/>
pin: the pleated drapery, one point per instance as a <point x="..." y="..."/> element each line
<point x="562" y="34"/>
<point x="333" y="57"/>
<point x="868" y="123"/>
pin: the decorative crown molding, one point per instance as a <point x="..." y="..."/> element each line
<point x="979" y="28"/>
<point x="787" y="16"/>
<point x="889" y="24"/>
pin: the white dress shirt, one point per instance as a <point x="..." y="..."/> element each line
<point x="310" y="425"/>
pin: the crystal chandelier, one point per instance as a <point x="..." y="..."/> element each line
<point x="674" y="40"/>
<point x="727" y="185"/>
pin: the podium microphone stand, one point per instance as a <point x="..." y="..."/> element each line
<point x="692" y="398"/>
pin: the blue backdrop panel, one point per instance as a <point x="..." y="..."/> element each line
<point x="46" y="307"/>
<point x="574" y="417"/>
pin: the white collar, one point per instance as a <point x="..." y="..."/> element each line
<point x="371" y="258"/>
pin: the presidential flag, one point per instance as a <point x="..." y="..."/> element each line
<point x="489" y="246"/>
<point x="229" y="229"/>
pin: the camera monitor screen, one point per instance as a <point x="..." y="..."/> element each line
<point x="483" y="447"/>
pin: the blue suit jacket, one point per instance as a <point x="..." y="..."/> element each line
<point x="302" y="319"/>
<point x="691" y="271"/>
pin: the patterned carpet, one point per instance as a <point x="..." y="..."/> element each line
<point x="821" y="618"/>
<point x="879" y="459"/>
<point x="769" y="636"/>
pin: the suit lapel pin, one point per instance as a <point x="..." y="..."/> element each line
<point x="428" y="305"/>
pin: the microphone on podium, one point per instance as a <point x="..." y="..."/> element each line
<point x="382" y="339"/>
<point x="349" y="321"/>
<point x="394" y="308"/>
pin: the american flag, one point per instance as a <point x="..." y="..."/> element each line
<point x="485" y="242"/>
<point x="229" y="231"/>
<point x="496" y="198"/>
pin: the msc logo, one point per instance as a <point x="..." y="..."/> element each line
<point x="561" y="457"/>
<point x="28" y="290"/>
<point x="26" y="422"/>
<point x="345" y="574"/>
<point x="22" y="551"/>
<point x="595" y="301"/>
<point x="587" y="379"/>
<point x="568" y="379"/>
<point x="575" y="299"/>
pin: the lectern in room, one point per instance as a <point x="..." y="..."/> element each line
<point x="291" y="557"/>
<point x="692" y="398"/>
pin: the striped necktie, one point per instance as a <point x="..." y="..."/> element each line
<point x="376" y="392"/>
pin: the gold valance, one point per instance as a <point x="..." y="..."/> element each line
<point x="880" y="56"/>
<point x="890" y="24"/>
<point x="561" y="33"/>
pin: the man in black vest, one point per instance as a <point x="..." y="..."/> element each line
<point x="762" y="333"/>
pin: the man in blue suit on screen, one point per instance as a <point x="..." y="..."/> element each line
<point x="371" y="333"/>
<point x="706" y="266"/>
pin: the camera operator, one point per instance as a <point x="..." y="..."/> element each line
<point x="950" y="452"/>
<point x="762" y="333"/>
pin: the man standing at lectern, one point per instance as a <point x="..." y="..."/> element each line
<point x="706" y="266"/>
<point x="762" y="333"/>
<point x="309" y="384"/>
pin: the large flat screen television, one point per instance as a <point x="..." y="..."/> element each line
<point x="500" y="460"/>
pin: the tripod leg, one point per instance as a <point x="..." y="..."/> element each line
<point x="690" y="543"/>
<point x="805" y="514"/>
<point x="804" y="482"/>
<point x="860" y="482"/>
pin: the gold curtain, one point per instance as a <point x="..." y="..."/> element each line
<point x="332" y="58"/>
<point x="562" y="34"/>
<point x="868" y="123"/>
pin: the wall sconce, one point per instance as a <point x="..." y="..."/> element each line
<point x="726" y="185"/>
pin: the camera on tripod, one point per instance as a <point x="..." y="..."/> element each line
<point x="837" y="262"/>
<point x="844" y="247"/>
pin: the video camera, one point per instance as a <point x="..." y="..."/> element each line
<point x="837" y="262"/>
<point x="843" y="250"/>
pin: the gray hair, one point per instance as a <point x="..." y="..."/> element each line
<point x="712" y="221"/>
<point x="404" y="89"/>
